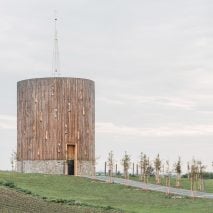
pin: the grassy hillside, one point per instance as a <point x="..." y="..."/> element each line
<point x="17" y="202"/>
<point x="94" y="193"/>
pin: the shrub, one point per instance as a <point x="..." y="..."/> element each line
<point x="108" y="208"/>
<point x="9" y="184"/>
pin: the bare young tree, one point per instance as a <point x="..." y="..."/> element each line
<point x="141" y="166"/>
<point x="201" y="169"/>
<point x="157" y="165"/>
<point x="147" y="169"/>
<point x="193" y="176"/>
<point x="13" y="160"/>
<point x="110" y="164"/>
<point x="144" y="165"/>
<point x="196" y="176"/>
<point x="168" y="177"/>
<point x="188" y="170"/>
<point x="178" y="172"/>
<point x="125" y="162"/>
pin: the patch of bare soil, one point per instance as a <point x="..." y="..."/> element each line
<point x="12" y="201"/>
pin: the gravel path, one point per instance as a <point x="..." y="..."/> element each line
<point x="155" y="187"/>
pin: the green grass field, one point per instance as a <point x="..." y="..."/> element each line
<point x="95" y="193"/>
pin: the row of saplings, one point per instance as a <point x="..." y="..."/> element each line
<point x="145" y="168"/>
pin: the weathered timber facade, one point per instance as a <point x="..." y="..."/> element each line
<point x="56" y="126"/>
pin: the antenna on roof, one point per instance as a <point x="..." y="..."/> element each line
<point x="56" y="62"/>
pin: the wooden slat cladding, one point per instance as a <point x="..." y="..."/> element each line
<point x="54" y="112"/>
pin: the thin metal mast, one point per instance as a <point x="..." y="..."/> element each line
<point x="56" y="61"/>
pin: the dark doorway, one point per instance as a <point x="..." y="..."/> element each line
<point x="70" y="167"/>
<point x="71" y="159"/>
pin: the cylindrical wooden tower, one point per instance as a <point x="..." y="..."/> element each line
<point x="56" y="126"/>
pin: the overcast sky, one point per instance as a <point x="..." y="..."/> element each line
<point x="151" y="62"/>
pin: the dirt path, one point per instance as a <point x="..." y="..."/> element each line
<point x="154" y="187"/>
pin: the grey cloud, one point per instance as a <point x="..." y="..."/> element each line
<point x="163" y="131"/>
<point x="7" y="122"/>
<point x="151" y="60"/>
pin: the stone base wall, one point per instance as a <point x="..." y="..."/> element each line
<point x="41" y="166"/>
<point x="85" y="168"/>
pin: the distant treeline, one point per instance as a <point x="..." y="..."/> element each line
<point x="206" y="175"/>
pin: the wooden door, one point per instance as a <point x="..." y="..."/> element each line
<point x="70" y="152"/>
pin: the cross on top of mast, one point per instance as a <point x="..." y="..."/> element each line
<point x="56" y="61"/>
